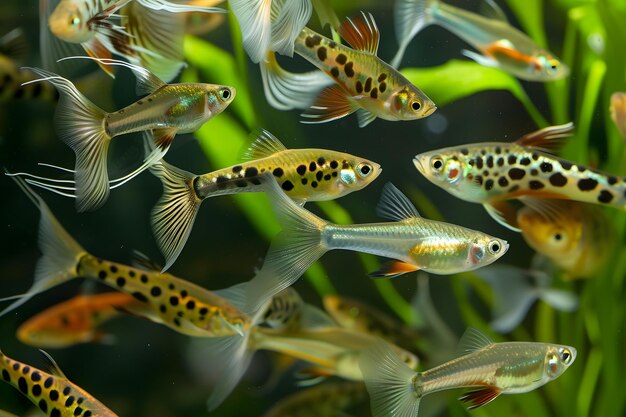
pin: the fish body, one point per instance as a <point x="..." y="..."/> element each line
<point x="303" y="174"/>
<point x="363" y="82"/>
<point x="12" y="84"/>
<point x="52" y="392"/>
<point x="500" y="44"/>
<point x="577" y="237"/>
<point x="491" y="173"/>
<point x="416" y="243"/>
<point x="488" y="369"/>
<point x="74" y="321"/>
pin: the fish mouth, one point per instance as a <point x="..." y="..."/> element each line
<point x="506" y="247"/>
<point x="417" y="161"/>
<point x="430" y="110"/>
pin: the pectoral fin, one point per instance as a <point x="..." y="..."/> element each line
<point x="480" y="397"/>
<point x="393" y="269"/>
<point x="504" y="213"/>
<point x="481" y="59"/>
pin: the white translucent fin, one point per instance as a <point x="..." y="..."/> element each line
<point x="51" y="365"/>
<point x="549" y="209"/>
<point x="394" y="205"/>
<point x="286" y="90"/>
<point x="497" y="216"/>
<point x="314" y="317"/>
<point x="513" y="295"/>
<point x="60" y="252"/>
<point x="142" y="261"/>
<point x="473" y="340"/>
<point x="389" y="381"/>
<point x="255" y="21"/>
<point x="560" y="300"/>
<point x="291" y="252"/>
<point x="365" y="117"/>
<point x="173" y="216"/>
<point x="179" y="7"/>
<point x="292" y="16"/>
<point x="80" y="124"/>
<point x="480" y="59"/>
<point x="490" y="9"/>
<point x="236" y="295"/>
<point x="410" y="16"/>
<point x="425" y="310"/>
<point x="263" y="146"/>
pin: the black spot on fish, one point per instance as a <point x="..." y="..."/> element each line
<point x="605" y="196"/>
<point x="524" y="161"/>
<point x="359" y="87"/>
<point x="55" y="412"/>
<point x="514" y="188"/>
<point x="319" y="175"/>
<point x="191" y="305"/>
<point x="321" y="161"/>
<point x="67" y="390"/>
<point x="587" y="184"/>
<point x="327" y="177"/>
<point x="54" y="395"/>
<point x="382" y="87"/>
<point x="464" y="151"/>
<point x="535" y="156"/>
<point x="301" y="170"/>
<point x="278" y="172"/>
<point x="485" y="173"/>
<point x="139" y="296"/>
<point x="503" y="182"/>
<point x="237" y="168"/>
<point x="140" y="102"/>
<point x="332" y="44"/>
<point x="163" y="308"/>
<point x="241" y="183"/>
<point x="314" y="184"/>
<point x="500" y="161"/>
<point x="516" y="173"/>
<point x="113" y="268"/>
<point x="16" y="366"/>
<point x="26" y="370"/>
<point x="374" y="93"/>
<point x="498" y="150"/>
<point x="472" y="162"/>
<point x="558" y="180"/>
<point x="177" y="322"/>
<point x="221" y="182"/>
<point x="321" y="53"/>
<point x="334" y="71"/>
<point x="368" y="85"/>
<point x="144" y="278"/>
<point x="478" y="179"/>
<point x="512" y="159"/>
<point x="155" y="291"/>
<point x="479" y="162"/>
<point x="78" y="411"/>
<point x="6" y="376"/>
<point x="43" y="405"/>
<point x="69" y="401"/>
<point x="287" y="185"/>
<point x="566" y="165"/>
<point x="131" y="274"/>
<point x="174" y="300"/>
<point x="535" y="185"/>
<point x="545" y="167"/>
<point x="334" y="164"/>
<point x="184" y="294"/>
<point x="534" y="172"/>
<point x="304" y="181"/>
<point x="349" y="70"/>
<point x="309" y="42"/>
<point x="490" y="161"/>
<point x="488" y="185"/>
<point x="341" y="59"/>
<point x="203" y="311"/>
<point x="102" y="274"/>
<point x="312" y="166"/>
<point x="171" y="286"/>
<point x="611" y="180"/>
<point x="120" y="282"/>
<point x="87" y="414"/>
<point x="48" y="382"/>
<point x="251" y="172"/>
<point x="483" y="152"/>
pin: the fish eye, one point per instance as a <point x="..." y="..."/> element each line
<point x="74" y="20"/>
<point x="364" y="169"/>
<point x="415" y="105"/>
<point x="225" y="93"/>
<point x="494" y="247"/>
<point x="558" y="237"/>
<point x="566" y="356"/>
<point x="437" y="163"/>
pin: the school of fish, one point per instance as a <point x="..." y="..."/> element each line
<point x="556" y="204"/>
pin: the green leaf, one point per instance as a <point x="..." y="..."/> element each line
<point x="456" y="79"/>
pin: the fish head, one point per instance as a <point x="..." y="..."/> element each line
<point x="546" y="67"/>
<point x="218" y="97"/>
<point x="484" y="250"/>
<point x="70" y="22"/>
<point x="355" y="173"/>
<point x="410" y="103"/>
<point x="557" y="236"/>
<point x="558" y="359"/>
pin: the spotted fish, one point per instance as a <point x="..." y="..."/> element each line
<point x="51" y="391"/>
<point x="75" y="320"/>
<point x="167" y="110"/>
<point x="178" y="304"/>
<point x="414" y="242"/>
<point x="486" y="368"/>
<point x="363" y="83"/>
<point x="303" y="174"/>
<point x="491" y="173"/>
<point x="500" y="44"/>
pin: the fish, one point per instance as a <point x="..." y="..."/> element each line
<point x="304" y="175"/>
<point x="363" y="83"/>
<point x="577" y="237"/>
<point x="75" y="320"/>
<point x="52" y="392"/>
<point x="356" y="315"/>
<point x="147" y="33"/>
<point x="167" y="110"/>
<point x="618" y="112"/>
<point x="490" y="173"/>
<point x="515" y="290"/>
<point x="414" y="242"/>
<point x="499" y="44"/>
<point x="163" y="298"/>
<point x="486" y="368"/>
<point x="325" y="400"/>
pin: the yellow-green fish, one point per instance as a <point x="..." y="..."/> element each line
<point x="363" y="82"/>
<point x="167" y="110"/>
<point x="618" y="112"/>
<point x="303" y="174"/>
<point x="576" y="237"/>
<point x="500" y="45"/>
<point x="163" y="298"/>
<point x="490" y="173"/>
<point x="51" y="391"/>
<point x="414" y="242"/>
<point x="487" y="369"/>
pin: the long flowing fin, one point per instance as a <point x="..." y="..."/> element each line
<point x="549" y="138"/>
<point x="290" y="17"/>
<point x="173" y="216"/>
<point x="80" y="124"/>
<point x="331" y="104"/>
<point x="410" y="16"/>
<point x="291" y="252"/>
<point x="361" y="32"/>
<point x="286" y="90"/>
<point x="179" y="7"/>
<point x="255" y="21"/>
<point x="60" y="252"/>
<point x="389" y="381"/>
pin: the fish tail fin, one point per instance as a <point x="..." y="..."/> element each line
<point x="410" y="16"/>
<point x="393" y="387"/>
<point x="291" y="252"/>
<point x="286" y="90"/>
<point x="173" y="216"/>
<point x="290" y="18"/>
<point x="81" y="125"/>
<point x="60" y="252"/>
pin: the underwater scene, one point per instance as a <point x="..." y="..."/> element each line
<point x="419" y="208"/>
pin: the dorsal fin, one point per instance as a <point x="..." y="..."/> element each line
<point x="394" y="205"/>
<point x="490" y="9"/>
<point x="549" y="138"/>
<point x="263" y="146"/>
<point x="472" y="341"/>
<point x="52" y="366"/>
<point x="142" y="261"/>
<point x="361" y="32"/>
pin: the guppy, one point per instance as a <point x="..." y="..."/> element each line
<point x="488" y="369"/>
<point x="304" y="175"/>
<point x="178" y="304"/>
<point x="492" y="172"/>
<point x="51" y="391"/>
<point x="167" y="110"/>
<point x="416" y="243"/>
<point x="501" y="45"/>
<point x="363" y="82"/>
<point x="75" y="320"/>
